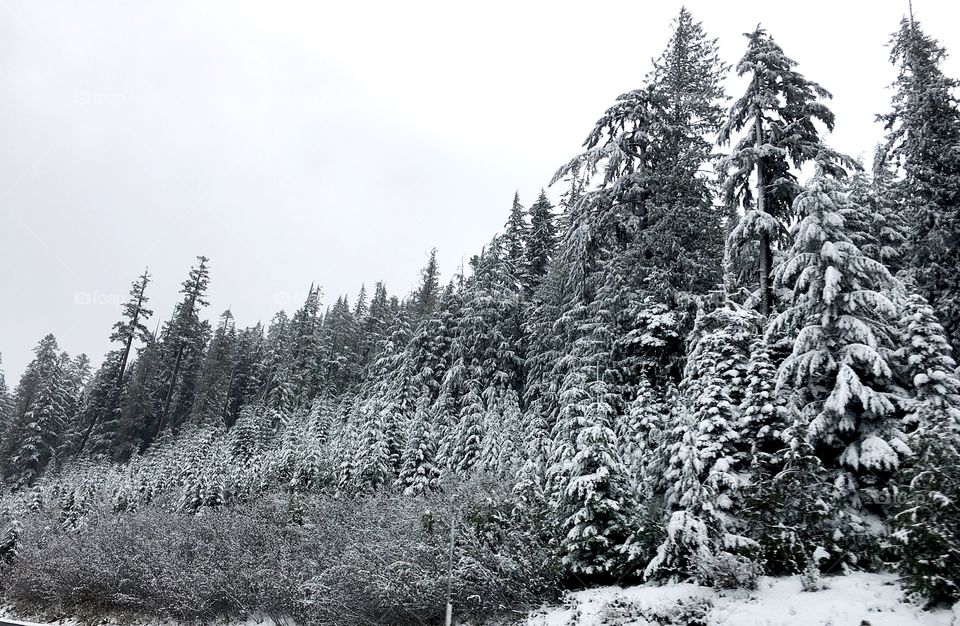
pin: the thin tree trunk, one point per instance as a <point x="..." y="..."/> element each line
<point x="173" y="383"/>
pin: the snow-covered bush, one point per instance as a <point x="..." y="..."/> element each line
<point x="691" y="611"/>
<point x="811" y="579"/>
<point x="728" y="571"/>
<point x="318" y="559"/>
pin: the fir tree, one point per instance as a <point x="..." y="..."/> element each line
<point x="764" y="409"/>
<point x="217" y="375"/>
<point x="541" y="240"/>
<point x="427" y="293"/>
<point x="419" y="472"/>
<point x="515" y="234"/>
<point x="6" y="407"/>
<point x="40" y="415"/>
<point x="777" y="115"/>
<point x="595" y="505"/>
<point x="839" y="369"/>
<point x="924" y="137"/>
<point x="183" y="343"/>
<point x="924" y="516"/>
<point x="707" y="473"/>
<point x="306" y="350"/>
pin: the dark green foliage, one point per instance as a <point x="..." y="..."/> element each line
<point x="924" y="138"/>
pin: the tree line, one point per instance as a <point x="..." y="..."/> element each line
<point x="696" y="358"/>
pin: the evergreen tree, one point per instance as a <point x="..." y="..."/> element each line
<point x="928" y="368"/>
<point x="248" y="380"/>
<point x="340" y="369"/>
<point x="924" y="137"/>
<point x="6" y="408"/>
<point x="426" y="295"/>
<point x="839" y="369"/>
<point x="595" y="505"/>
<point x="541" y="241"/>
<point x="777" y="116"/>
<point x="217" y="375"/>
<point x="515" y="234"/>
<point x="707" y="473"/>
<point x="419" y="472"/>
<point x="924" y="518"/>
<point x="40" y="415"/>
<point x="182" y="346"/>
<point x="880" y="231"/>
<point x="278" y="393"/>
<point x="764" y="409"/>
<point x="136" y="428"/>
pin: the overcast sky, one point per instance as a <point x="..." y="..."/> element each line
<point x="332" y="142"/>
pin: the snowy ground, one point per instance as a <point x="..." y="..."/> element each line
<point x="854" y="600"/>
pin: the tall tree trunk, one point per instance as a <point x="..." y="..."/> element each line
<point x="173" y="383"/>
<point x="766" y="254"/>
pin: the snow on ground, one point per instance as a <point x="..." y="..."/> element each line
<point x="853" y="600"/>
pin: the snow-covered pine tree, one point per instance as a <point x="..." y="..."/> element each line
<point x="181" y="349"/>
<point x="839" y="371"/>
<point x="765" y="413"/>
<point x="924" y="137"/>
<point x="595" y="506"/>
<point x="249" y="372"/>
<point x="928" y="368"/>
<point x="924" y="520"/>
<point x="305" y="350"/>
<point x="40" y="415"/>
<point x="340" y="366"/>
<point x="216" y="375"/>
<point x="419" y="472"/>
<point x="515" y="234"/>
<point x="540" y="243"/>
<point x="102" y="414"/>
<point x="278" y="393"/>
<point x="792" y="508"/>
<point x="708" y="471"/>
<point x="427" y="295"/>
<point x="501" y="448"/>
<point x="777" y="116"/>
<point x="467" y="436"/>
<point x="6" y="408"/>
<point x="881" y="231"/>
<point x="641" y="437"/>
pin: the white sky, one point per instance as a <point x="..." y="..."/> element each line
<point x="294" y="142"/>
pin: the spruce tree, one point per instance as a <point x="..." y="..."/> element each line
<point x="708" y="469"/>
<point x="777" y="116"/>
<point x="515" y="234"/>
<point x="132" y="328"/>
<point x="305" y="346"/>
<point x="217" y="375"/>
<point x="427" y="293"/>
<point x="6" y="407"/>
<point x="541" y="241"/>
<point x="924" y="518"/>
<point x="419" y="472"/>
<point x="595" y="506"/>
<point x="924" y="137"/>
<point x="40" y="415"/>
<point x="182" y="347"/>
<point x="839" y="370"/>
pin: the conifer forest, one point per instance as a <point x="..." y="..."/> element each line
<point x="726" y="353"/>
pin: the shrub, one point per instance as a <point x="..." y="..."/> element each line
<point x="380" y="559"/>
<point x="728" y="571"/>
